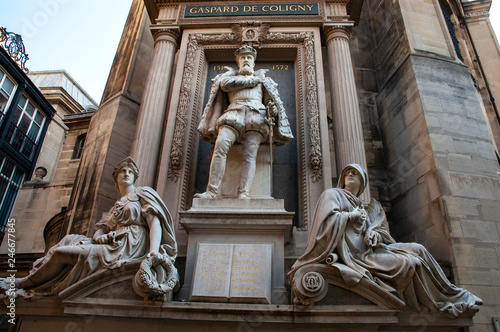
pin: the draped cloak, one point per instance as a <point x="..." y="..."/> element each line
<point x="127" y="220"/>
<point x="404" y="269"/>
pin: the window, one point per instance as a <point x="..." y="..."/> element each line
<point x="451" y="29"/>
<point x="11" y="178"/>
<point x="6" y="92"/>
<point x="24" y="131"/>
<point x="78" y="149"/>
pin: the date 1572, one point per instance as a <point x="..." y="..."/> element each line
<point x="274" y="67"/>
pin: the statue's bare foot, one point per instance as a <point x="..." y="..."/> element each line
<point x="206" y="195"/>
<point x="473" y="309"/>
<point x="9" y="287"/>
<point x="4" y="284"/>
<point x="14" y="283"/>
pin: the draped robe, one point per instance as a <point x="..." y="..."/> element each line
<point x="405" y="269"/>
<point x="127" y="222"/>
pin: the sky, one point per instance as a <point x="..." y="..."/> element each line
<point x="81" y="36"/>
<point x="495" y="16"/>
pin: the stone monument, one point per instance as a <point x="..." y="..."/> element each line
<point x="236" y="246"/>
<point x="349" y="245"/>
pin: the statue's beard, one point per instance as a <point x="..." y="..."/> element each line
<point x="246" y="70"/>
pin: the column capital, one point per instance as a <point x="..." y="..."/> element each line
<point x="338" y="30"/>
<point x="476" y="10"/>
<point x="170" y="34"/>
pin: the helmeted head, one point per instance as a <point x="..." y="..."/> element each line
<point x="246" y="49"/>
<point x="245" y="57"/>
<point x="358" y="170"/>
<point x="127" y="162"/>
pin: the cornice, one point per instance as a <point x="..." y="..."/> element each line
<point x="476" y="9"/>
<point x="59" y="96"/>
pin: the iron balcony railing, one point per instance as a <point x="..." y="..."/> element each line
<point x="13" y="44"/>
<point x="21" y="142"/>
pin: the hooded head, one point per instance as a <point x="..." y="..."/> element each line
<point x="361" y="171"/>
<point x="124" y="163"/>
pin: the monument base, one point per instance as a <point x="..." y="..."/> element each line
<point x="236" y="251"/>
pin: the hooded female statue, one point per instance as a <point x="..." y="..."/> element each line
<point x="138" y="226"/>
<point x="351" y="238"/>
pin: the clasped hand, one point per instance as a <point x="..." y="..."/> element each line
<point x="358" y="214"/>
<point x="111" y="237"/>
<point x="371" y="238"/>
<point x="102" y="239"/>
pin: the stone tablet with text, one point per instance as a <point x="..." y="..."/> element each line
<point x="239" y="273"/>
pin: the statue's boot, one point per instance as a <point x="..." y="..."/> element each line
<point x="206" y="195"/>
<point x="251" y="148"/>
<point x="225" y="139"/>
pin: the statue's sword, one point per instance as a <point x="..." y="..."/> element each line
<point x="270" y="120"/>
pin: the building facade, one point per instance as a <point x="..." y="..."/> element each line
<point x="48" y="192"/>
<point x="25" y="117"/>
<point x="405" y="88"/>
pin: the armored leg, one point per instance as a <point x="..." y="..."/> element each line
<point x="225" y="139"/>
<point x="251" y="143"/>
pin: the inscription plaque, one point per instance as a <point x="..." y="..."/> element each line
<point x="252" y="10"/>
<point x="213" y="269"/>
<point x="233" y="273"/>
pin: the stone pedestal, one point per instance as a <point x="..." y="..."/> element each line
<point x="236" y="251"/>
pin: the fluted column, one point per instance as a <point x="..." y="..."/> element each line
<point x="146" y="146"/>
<point x="349" y="143"/>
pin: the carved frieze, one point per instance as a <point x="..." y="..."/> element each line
<point x="476" y="9"/>
<point x="477" y="13"/>
<point x="176" y="153"/>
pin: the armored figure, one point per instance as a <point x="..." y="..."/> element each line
<point x="244" y="106"/>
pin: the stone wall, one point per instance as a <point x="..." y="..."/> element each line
<point x="467" y="173"/>
<point x="362" y="49"/>
<point x="485" y="52"/>
<point x="441" y="166"/>
<point x="415" y="211"/>
<point x="113" y="126"/>
<point x="52" y="145"/>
